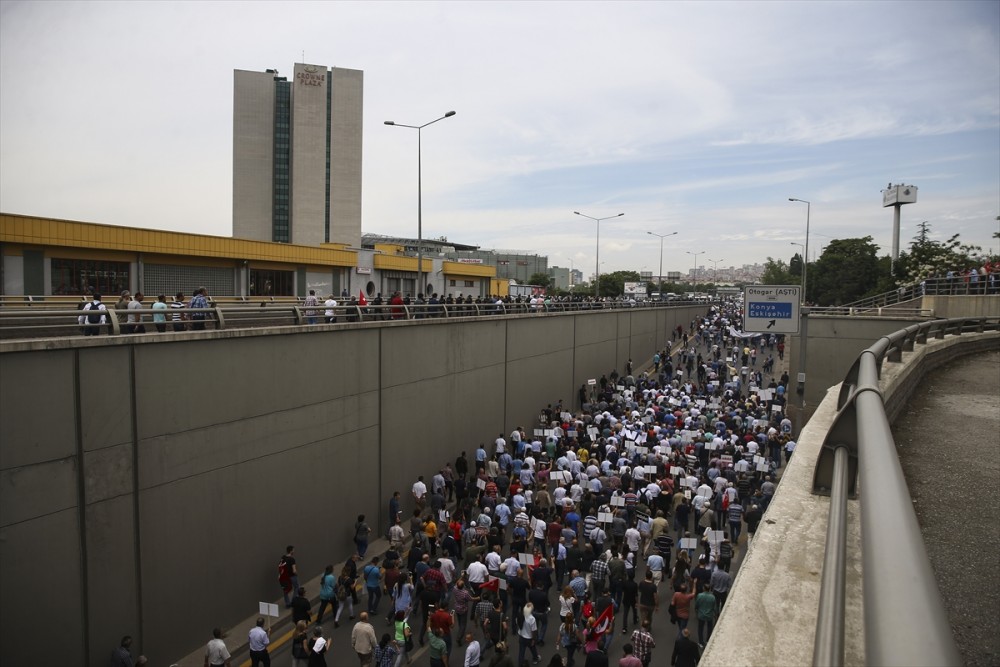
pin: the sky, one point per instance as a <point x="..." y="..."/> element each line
<point x="696" y="118"/>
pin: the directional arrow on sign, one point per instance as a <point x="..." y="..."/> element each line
<point x="771" y="323"/>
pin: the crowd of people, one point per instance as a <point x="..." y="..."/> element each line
<point x="636" y="502"/>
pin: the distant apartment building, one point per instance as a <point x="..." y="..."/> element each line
<point x="562" y="278"/>
<point x="297" y="155"/>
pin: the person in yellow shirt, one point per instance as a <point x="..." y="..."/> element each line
<point x="431" y="532"/>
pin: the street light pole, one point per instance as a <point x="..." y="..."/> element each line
<point x="420" y="192"/>
<point x="805" y="260"/>
<point x="597" y="259"/>
<point x="694" y="287"/>
<point x="715" y="268"/>
<point x="661" y="236"/>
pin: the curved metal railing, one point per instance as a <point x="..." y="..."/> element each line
<point x="905" y="622"/>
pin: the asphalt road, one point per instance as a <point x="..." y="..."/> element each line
<point x="948" y="440"/>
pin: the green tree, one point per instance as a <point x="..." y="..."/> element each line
<point x="927" y="257"/>
<point x="795" y="266"/>
<point x="540" y="279"/>
<point x="776" y="272"/>
<point x="613" y="284"/>
<point x="848" y="270"/>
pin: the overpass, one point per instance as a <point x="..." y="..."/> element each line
<point x="129" y="464"/>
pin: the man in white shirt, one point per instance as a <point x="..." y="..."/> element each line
<point x="473" y="654"/>
<point x="527" y="635"/>
<point x="477" y="574"/>
<point x="420" y="492"/>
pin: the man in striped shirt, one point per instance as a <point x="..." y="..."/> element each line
<point x="177" y="317"/>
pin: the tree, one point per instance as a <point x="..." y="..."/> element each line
<point x="540" y="279"/>
<point x="927" y="257"/>
<point x="613" y="284"/>
<point x="848" y="270"/>
<point x="776" y="273"/>
<point x="795" y="266"/>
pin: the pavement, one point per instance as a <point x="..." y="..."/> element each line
<point x="947" y="439"/>
<point x="664" y="633"/>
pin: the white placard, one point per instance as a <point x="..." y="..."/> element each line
<point x="538" y="432"/>
<point x="727" y="458"/>
<point x="481" y="484"/>
<point x="700" y="402"/>
<point x="592" y="432"/>
<point x="688" y="543"/>
<point x="592" y="382"/>
<point x="687" y="492"/>
<point x="641" y="436"/>
<point x="650" y="470"/>
<point x="647" y="420"/>
<point x="526" y="559"/>
<point x="757" y="458"/>
<point x="618" y="501"/>
<point x="776" y="408"/>
<point x="711" y="446"/>
<point x="689" y="483"/>
<point x="268" y="609"/>
<point x="642" y="450"/>
<point x="605" y="517"/>
<point x="559" y="476"/>
<point x="676" y="470"/>
<point x="571" y="433"/>
<point x="762" y="467"/>
<point x="620" y="387"/>
<point x="716" y="536"/>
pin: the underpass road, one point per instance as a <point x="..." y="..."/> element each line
<point x="948" y="440"/>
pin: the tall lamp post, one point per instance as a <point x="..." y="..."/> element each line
<point x="715" y="268"/>
<point x="805" y="260"/>
<point x="597" y="259"/>
<point x="661" y="237"/>
<point x="803" y="266"/>
<point x="420" y="208"/>
<point x="695" y="286"/>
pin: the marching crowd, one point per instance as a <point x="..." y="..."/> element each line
<point x="588" y="527"/>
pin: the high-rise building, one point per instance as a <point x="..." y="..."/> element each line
<point x="297" y="155"/>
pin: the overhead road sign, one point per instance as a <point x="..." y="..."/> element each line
<point x="771" y="308"/>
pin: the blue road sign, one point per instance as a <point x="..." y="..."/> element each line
<point x="771" y="310"/>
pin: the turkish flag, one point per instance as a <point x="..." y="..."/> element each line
<point x="492" y="585"/>
<point x="605" y="621"/>
<point x="362" y="301"/>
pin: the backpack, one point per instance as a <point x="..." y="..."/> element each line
<point x="672" y="610"/>
<point x="341" y="592"/>
<point x="95" y="315"/>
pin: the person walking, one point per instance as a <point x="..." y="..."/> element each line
<point x="258" y="640"/>
<point x="363" y="640"/>
<point x="216" y="653"/>
<point x="361" y="532"/>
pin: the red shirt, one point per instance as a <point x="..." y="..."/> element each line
<point x="441" y="619"/>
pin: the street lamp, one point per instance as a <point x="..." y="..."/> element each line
<point x="805" y="260"/>
<point x="597" y="259"/>
<point x="661" y="236"/>
<point x="420" y="209"/>
<point x="715" y="268"/>
<point x="694" y="287"/>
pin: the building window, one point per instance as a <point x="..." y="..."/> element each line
<point x="470" y="283"/>
<point x="87" y="276"/>
<point x="451" y="283"/>
<point x="370" y="288"/>
<point x="264" y="282"/>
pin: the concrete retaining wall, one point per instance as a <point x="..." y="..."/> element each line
<point x="148" y="484"/>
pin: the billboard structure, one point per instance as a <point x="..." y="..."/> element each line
<point x="896" y="196"/>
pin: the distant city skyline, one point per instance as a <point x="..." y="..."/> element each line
<point x="699" y="118"/>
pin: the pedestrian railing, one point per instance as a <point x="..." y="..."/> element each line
<point x="905" y="622"/>
<point x="60" y="319"/>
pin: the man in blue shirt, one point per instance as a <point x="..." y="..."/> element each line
<point x="259" y="639"/>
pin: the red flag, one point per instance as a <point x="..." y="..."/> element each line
<point x="492" y="585"/>
<point x="362" y="301"/>
<point x="605" y="621"/>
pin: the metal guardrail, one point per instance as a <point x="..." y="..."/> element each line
<point x="905" y="622"/>
<point x="33" y="321"/>
<point x="954" y="286"/>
